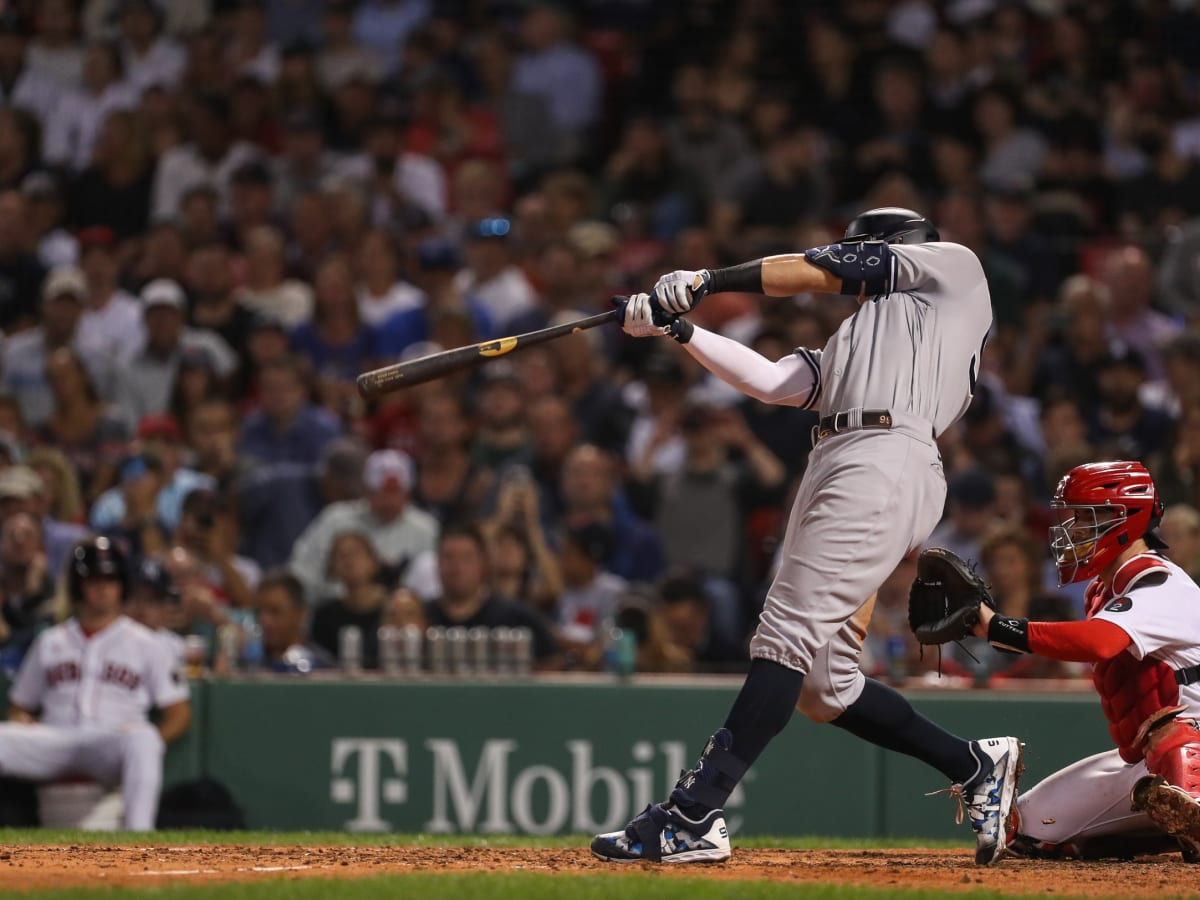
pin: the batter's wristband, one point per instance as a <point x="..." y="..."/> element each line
<point x="745" y="278"/>
<point x="1008" y="633"/>
<point x="682" y="330"/>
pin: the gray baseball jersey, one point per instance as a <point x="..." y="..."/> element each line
<point x="915" y="350"/>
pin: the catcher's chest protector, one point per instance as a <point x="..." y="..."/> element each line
<point x="1130" y="689"/>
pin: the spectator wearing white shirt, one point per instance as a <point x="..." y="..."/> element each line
<point x="151" y="371"/>
<point x="342" y="57"/>
<point x="150" y="58"/>
<point x="112" y="320"/>
<point x="55" y="52"/>
<point x="72" y="132"/>
<point x="211" y="156"/>
<point x="249" y="52"/>
<point x="491" y="278"/>
<point x="20" y="85"/>
<point x="381" y="292"/>
<point x="267" y="290"/>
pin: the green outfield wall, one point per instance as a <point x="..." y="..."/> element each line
<point x="550" y="756"/>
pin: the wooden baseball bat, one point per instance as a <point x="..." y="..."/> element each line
<point x="417" y="371"/>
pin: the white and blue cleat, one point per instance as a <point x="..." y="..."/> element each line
<point x="989" y="796"/>
<point x="664" y="834"/>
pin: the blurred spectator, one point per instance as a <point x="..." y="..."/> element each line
<point x="588" y="601"/>
<point x="25" y="580"/>
<point x="644" y="185"/>
<point x="337" y="343"/>
<point x="214" y="307"/>
<point x="552" y="434"/>
<point x="211" y="429"/>
<point x="380" y="291"/>
<point x="159" y="437"/>
<point x="502" y="437"/>
<point x="447" y="127"/>
<point x="45" y="195"/>
<point x="590" y="494"/>
<point x="287" y="427"/>
<point x="448" y="484"/>
<point x="208" y="532"/>
<point x="1180" y="530"/>
<point x="467" y="601"/>
<point x="81" y="424"/>
<point x="704" y="143"/>
<point x="1011" y="150"/>
<point x="491" y="278"/>
<point x="210" y="156"/>
<point x="342" y="56"/>
<point x="398" y="530"/>
<point x="153" y="601"/>
<point x="195" y="383"/>
<point x="28" y="490"/>
<point x="1123" y="426"/>
<point x="20" y="272"/>
<point x="151" y="371"/>
<point x="25" y="355"/>
<point x="384" y="25"/>
<point x="150" y="57"/>
<point x="531" y="140"/>
<point x="583" y="381"/>
<point x="24" y="85"/>
<point x="686" y="611"/>
<point x="20" y="138"/>
<point x="251" y="201"/>
<point x="282" y="613"/>
<point x="59" y="502"/>
<point x="54" y="53"/>
<point x="1073" y="360"/>
<point x="267" y="290"/>
<point x="971" y="511"/>
<point x="889" y="649"/>
<point x="554" y="67"/>
<point x="86" y="105"/>
<point x="112" y="319"/>
<point x="114" y="188"/>
<point x="1129" y="276"/>
<point x="656" y="445"/>
<point x="355" y="567"/>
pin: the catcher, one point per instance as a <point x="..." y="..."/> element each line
<point x="1142" y="635"/>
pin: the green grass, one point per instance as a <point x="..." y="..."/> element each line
<point x="514" y="886"/>
<point x="45" y="836"/>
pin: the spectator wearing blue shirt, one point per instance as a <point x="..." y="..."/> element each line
<point x="287" y="427"/>
<point x="384" y="26"/>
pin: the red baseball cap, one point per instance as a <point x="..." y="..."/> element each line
<point x="159" y="426"/>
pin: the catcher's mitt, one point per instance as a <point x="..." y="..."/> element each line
<point x="943" y="603"/>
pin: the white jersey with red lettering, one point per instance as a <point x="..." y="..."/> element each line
<point x="93" y="693"/>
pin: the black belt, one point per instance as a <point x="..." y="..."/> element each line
<point x="1190" y="675"/>
<point x="839" y="422"/>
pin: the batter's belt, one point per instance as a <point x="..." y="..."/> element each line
<point x="869" y="419"/>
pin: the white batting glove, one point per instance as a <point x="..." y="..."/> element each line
<point x="639" y="318"/>
<point x="681" y="290"/>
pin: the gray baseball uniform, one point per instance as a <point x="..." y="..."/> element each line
<point x="868" y="496"/>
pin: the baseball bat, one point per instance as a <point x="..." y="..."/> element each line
<point x="397" y="376"/>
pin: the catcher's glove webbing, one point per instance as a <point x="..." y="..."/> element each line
<point x="944" y="601"/>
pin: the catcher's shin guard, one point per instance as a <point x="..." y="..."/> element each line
<point x="1170" y="795"/>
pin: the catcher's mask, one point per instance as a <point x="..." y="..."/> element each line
<point x="1102" y="508"/>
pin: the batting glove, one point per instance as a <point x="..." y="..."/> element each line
<point x="641" y="319"/>
<point x="681" y="290"/>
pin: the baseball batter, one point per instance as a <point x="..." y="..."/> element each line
<point x="80" y="699"/>
<point x="1142" y="635"/>
<point x="897" y="373"/>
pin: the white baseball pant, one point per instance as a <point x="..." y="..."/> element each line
<point x="130" y="755"/>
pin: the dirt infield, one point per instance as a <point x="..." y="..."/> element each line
<point x="24" y="867"/>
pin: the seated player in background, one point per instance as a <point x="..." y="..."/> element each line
<point x="81" y="700"/>
<point x="1142" y="636"/>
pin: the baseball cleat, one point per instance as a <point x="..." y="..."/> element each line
<point x="988" y="797"/>
<point x="664" y="834"/>
<point x="1172" y="809"/>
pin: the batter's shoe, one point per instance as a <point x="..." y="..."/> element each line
<point x="664" y="834"/>
<point x="1172" y="809"/>
<point x="988" y="797"/>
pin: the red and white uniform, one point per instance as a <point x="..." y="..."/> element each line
<point x="94" y="693"/>
<point x="1157" y="607"/>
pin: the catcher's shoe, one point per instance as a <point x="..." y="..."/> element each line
<point x="1172" y="809"/>
<point x="988" y="796"/>
<point x="664" y="834"/>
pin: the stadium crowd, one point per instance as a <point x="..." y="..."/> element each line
<point x="215" y="215"/>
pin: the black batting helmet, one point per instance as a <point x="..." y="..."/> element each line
<point x="96" y="558"/>
<point x="892" y="224"/>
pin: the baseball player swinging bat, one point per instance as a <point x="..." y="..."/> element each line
<point x="397" y="376"/>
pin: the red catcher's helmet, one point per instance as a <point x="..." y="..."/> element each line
<point x="1102" y="508"/>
